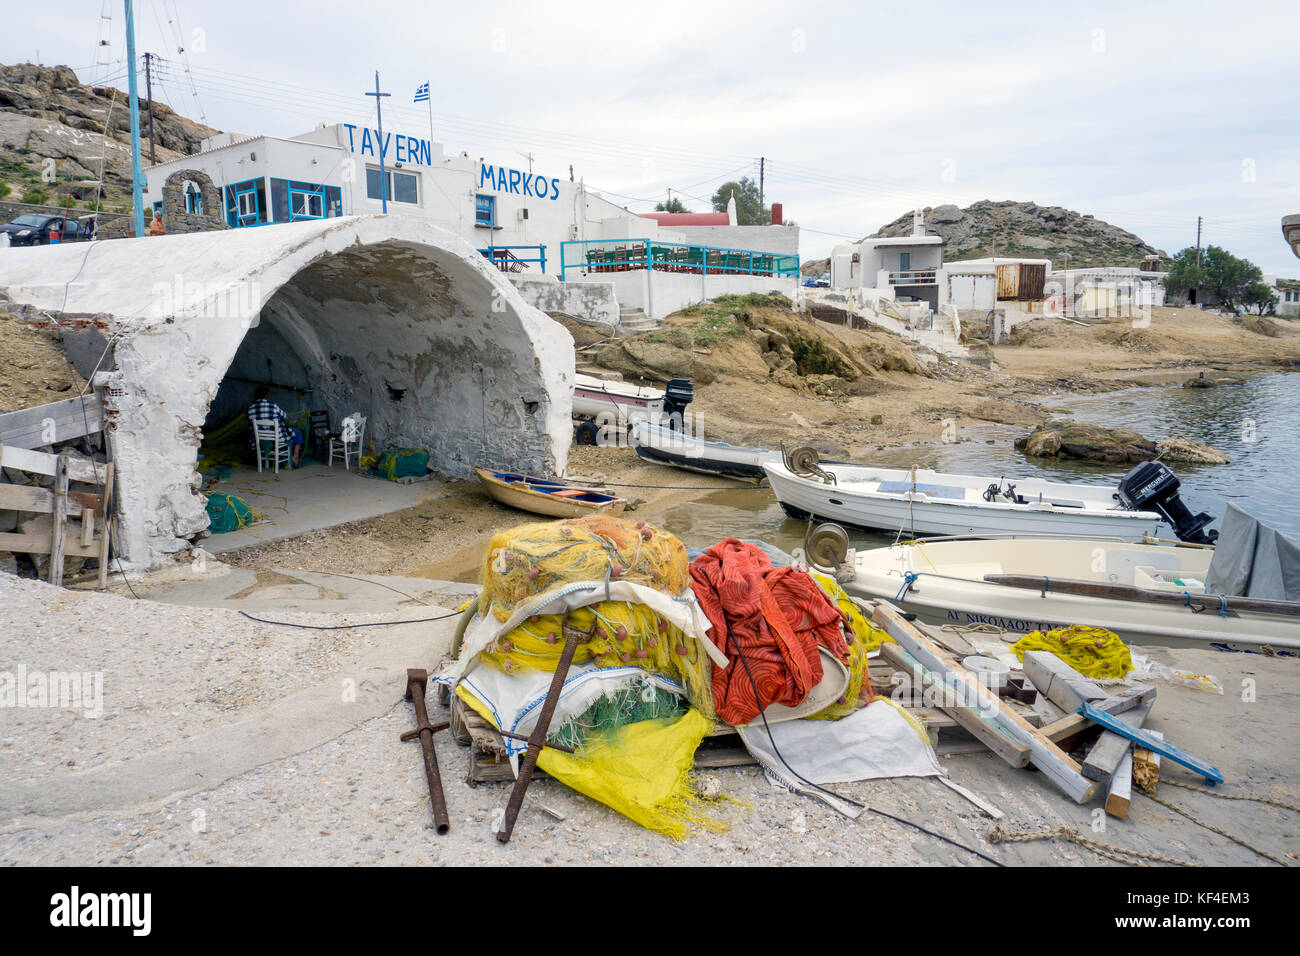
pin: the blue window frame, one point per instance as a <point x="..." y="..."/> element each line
<point x="246" y="204"/>
<point x="293" y="201"/>
<point x="485" y="210"/>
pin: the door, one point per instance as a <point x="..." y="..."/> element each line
<point x="904" y="261"/>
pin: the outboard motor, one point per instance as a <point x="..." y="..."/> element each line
<point x="1151" y="486"/>
<point x="677" y="395"/>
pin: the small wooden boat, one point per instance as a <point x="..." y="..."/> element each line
<point x="1145" y="593"/>
<point x="545" y="496"/>
<point x="666" y="446"/>
<point x="922" y="502"/>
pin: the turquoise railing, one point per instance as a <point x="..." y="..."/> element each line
<point x="596" y="256"/>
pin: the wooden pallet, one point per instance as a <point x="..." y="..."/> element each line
<point x="488" y="762"/>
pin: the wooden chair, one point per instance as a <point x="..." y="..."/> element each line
<point x="266" y="440"/>
<point x="320" y="430"/>
<point x="348" y="442"/>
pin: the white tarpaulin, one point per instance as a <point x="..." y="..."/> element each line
<point x="876" y="741"/>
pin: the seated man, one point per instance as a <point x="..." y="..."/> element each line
<point x="265" y="410"/>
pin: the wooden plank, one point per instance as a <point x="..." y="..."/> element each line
<point x="1059" y="682"/>
<point x="1054" y="763"/>
<point x="43" y="463"/>
<point x="1120" y="794"/>
<point x="68" y="419"/>
<point x="1127" y="592"/>
<point x="1104" y="759"/>
<point x="60" y="524"/>
<point x="29" y="543"/>
<point x="1153" y="743"/>
<point x="976" y="722"/>
<point x="107" y="512"/>
<point x="1071" y="724"/>
<point x="26" y="498"/>
<point x="87" y="527"/>
<point x="1146" y="767"/>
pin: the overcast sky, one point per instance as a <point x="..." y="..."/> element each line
<point x="1143" y="114"/>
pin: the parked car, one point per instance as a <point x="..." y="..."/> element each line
<point x="34" y="229"/>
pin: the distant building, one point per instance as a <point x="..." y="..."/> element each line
<point x="525" y="221"/>
<point x="904" y="268"/>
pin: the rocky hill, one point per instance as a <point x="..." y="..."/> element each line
<point x="47" y="114"/>
<point x="1010" y="228"/>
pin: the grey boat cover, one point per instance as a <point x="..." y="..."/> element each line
<point x="1253" y="560"/>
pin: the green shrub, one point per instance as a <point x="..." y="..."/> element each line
<point x="36" y="196"/>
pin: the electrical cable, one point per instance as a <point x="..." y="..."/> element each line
<point x="345" y="627"/>
<point x="831" y="793"/>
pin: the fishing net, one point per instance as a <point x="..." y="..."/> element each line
<point x="630" y="704"/>
<point x="533" y="558"/>
<point x="402" y="463"/>
<point x="643" y="770"/>
<point x="623" y="634"/>
<point x="865" y="637"/>
<point x="1092" y="651"/>
<point x="228" y="513"/>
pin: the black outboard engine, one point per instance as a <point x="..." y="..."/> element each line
<point x="677" y="395"/>
<point x="1151" y="486"/>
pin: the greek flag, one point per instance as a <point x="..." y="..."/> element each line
<point x="422" y="93"/>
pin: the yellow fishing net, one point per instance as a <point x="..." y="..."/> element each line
<point x="532" y="558"/>
<point x="625" y="634"/>
<point x="866" y="637"/>
<point x="1092" y="651"/>
<point x="642" y="770"/>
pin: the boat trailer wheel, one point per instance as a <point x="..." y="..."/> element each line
<point x="587" y="434"/>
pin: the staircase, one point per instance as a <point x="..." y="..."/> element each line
<point x="632" y="321"/>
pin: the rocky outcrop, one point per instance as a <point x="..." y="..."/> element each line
<point x="47" y="114"/>
<point x="1178" y="448"/>
<point x="1201" y="381"/>
<point x="1066" y="439"/>
<point x="1009" y="228"/>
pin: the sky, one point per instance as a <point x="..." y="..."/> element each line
<point x="1145" y="114"/>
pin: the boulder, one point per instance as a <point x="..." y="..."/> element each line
<point x="1178" y="448"/>
<point x="1066" y="439"/>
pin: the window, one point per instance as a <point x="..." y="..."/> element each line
<point x="402" y="187"/>
<point x="193" y="199"/>
<point x="485" y="210"/>
<point x="246" y="204"/>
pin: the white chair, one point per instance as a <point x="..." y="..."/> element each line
<point x="268" y="433"/>
<point x="348" y="440"/>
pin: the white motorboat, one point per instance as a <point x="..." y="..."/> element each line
<point x="619" y="404"/>
<point x="1145" y="593"/>
<point x="922" y="502"/>
<point x="667" y="446"/>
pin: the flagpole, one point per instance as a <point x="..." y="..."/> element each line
<point x="429" y="100"/>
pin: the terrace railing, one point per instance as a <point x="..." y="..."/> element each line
<point x="599" y="256"/>
<point x="513" y="258"/>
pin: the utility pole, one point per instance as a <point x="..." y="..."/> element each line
<point x="669" y="207"/>
<point x="137" y="175"/>
<point x="1198" y="260"/>
<point x="148" y="87"/>
<point x="383" y="170"/>
<point x="762" y="169"/>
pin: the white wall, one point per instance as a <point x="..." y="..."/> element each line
<point x="659" y="294"/>
<point x="368" y="304"/>
<point x="779" y="240"/>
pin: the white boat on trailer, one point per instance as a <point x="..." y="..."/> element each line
<point x="615" y="406"/>
<point x="923" y="502"/>
<point x="1145" y="593"/>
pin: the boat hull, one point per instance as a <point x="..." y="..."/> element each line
<point x="919" y="515"/>
<point x="665" y="447"/>
<point x="528" y="498"/>
<point x="952" y="592"/>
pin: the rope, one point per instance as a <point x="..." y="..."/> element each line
<point x="1118" y="854"/>
<point x="1213" y="829"/>
<point x="973" y="629"/>
<point x="1230" y="796"/>
<point x="614" y="484"/>
<point x="908" y="579"/>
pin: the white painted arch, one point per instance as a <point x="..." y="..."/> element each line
<point x="369" y="303"/>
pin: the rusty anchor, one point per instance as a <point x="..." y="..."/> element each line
<point x="417" y="680"/>
<point x="537" y="739"/>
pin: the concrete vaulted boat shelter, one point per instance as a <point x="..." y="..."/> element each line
<point x="393" y="317"/>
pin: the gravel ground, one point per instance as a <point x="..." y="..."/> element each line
<point x="224" y="741"/>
